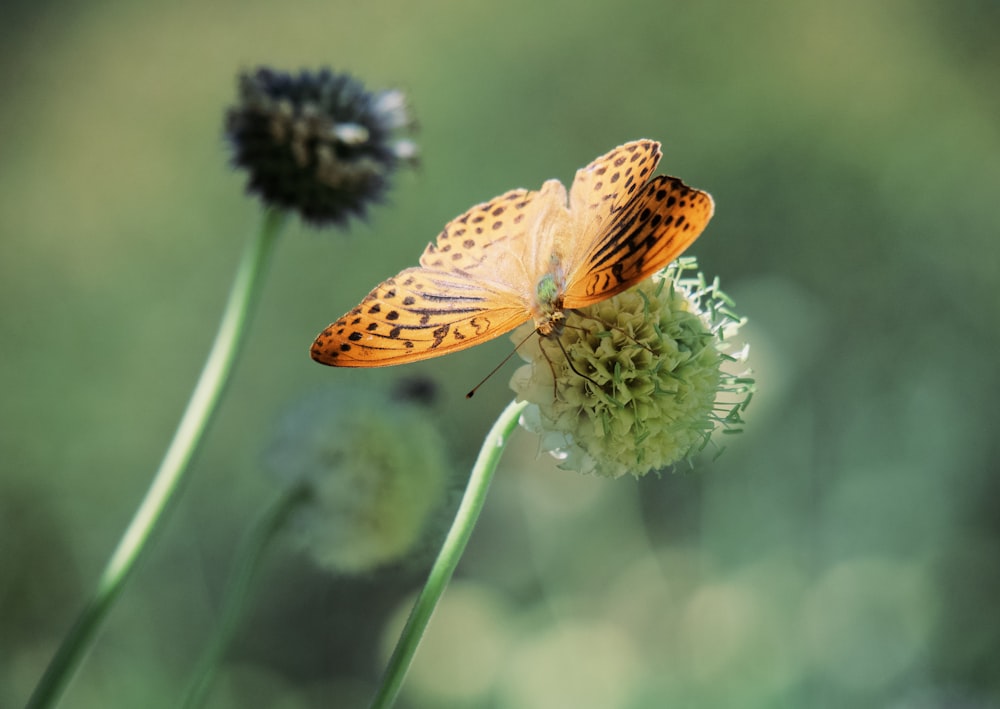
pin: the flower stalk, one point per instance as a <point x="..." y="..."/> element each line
<point x="450" y="554"/>
<point x="245" y="568"/>
<point x="190" y="431"/>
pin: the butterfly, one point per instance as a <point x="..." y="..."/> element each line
<point x="525" y="255"/>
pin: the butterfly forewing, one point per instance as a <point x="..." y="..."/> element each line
<point x="607" y="184"/>
<point x="421" y="313"/>
<point x="653" y="229"/>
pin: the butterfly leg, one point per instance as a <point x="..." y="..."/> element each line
<point x="569" y="362"/>
<point x="609" y="328"/>
<point x="552" y="367"/>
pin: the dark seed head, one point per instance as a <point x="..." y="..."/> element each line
<point x="317" y="143"/>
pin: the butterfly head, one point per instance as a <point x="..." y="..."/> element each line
<point x="548" y="310"/>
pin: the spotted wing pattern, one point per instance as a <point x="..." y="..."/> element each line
<point x="649" y="232"/>
<point x="470" y="287"/>
<point x="608" y="183"/>
<point x="472" y="243"/>
<point x="418" y="314"/>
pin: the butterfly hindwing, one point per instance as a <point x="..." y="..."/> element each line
<point x="421" y="313"/>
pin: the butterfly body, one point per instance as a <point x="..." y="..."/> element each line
<point x="549" y="301"/>
<point x="525" y="255"/>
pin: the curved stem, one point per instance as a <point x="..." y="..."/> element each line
<point x="448" y="557"/>
<point x="238" y="590"/>
<point x="202" y="405"/>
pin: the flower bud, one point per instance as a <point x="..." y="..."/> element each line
<point x="374" y="471"/>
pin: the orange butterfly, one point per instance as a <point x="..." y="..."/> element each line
<point x="525" y="255"/>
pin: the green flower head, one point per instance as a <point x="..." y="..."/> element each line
<point x="636" y="382"/>
<point x="374" y="472"/>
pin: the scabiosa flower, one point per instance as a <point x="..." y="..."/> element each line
<point x="318" y="143"/>
<point x="374" y="471"/>
<point x="635" y="383"/>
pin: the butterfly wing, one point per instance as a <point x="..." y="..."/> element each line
<point x="645" y="235"/>
<point x="608" y="183"/>
<point x="488" y="240"/>
<point x="472" y="285"/>
<point x="419" y="314"/>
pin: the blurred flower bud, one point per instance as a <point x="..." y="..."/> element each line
<point x="374" y="470"/>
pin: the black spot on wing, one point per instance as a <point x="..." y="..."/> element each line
<point x="433" y="311"/>
<point x="645" y="235"/>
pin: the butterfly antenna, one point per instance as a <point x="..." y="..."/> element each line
<point x="502" y="363"/>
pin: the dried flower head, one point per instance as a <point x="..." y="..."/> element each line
<point x="635" y="383"/>
<point x="318" y="143"/>
<point x="374" y="470"/>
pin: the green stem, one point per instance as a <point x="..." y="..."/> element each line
<point x="202" y="405"/>
<point x="244" y="570"/>
<point x="448" y="557"/>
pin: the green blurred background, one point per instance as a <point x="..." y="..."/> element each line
<point x="843" y="552"/>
